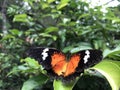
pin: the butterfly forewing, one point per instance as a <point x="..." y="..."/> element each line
<point x="89" y="58"/>
<point x="43" y="55"/>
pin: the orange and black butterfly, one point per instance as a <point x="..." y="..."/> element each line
<point x="56" y="64"/>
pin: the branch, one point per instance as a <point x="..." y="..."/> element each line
<point x="4" y="20"/>
<point x="108" y="2"/>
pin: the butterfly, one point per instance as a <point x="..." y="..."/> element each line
<point x="58" y="65"/>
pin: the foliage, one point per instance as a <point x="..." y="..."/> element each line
<point x="111" y="72"/>
<point x="67" y="25"/>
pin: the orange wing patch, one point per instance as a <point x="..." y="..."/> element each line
<point x="62" y="67"/>
<point x="58" y="63"/>
<point x="72" y="65"/>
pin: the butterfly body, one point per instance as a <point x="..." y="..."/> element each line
<point x="56" y="64"/>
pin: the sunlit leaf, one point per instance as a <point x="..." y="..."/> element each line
<point x="20" y="18"/>
<point x="62" y="4"/>
<point x="32" y="63"/>
<point x="108" y="52"/>
<point x="48" y="35"/>
<point x="84" y="15"/>
<point x="44" y="5"/>
<point x="50" y="1"/>
<point x="51" y="29"/>
<point x="8" y="36"/>
<point x="16" y="32"/>
<point x="111" y="70"/>
<point x="68" y="48"/>
<point x="58" y="85"/>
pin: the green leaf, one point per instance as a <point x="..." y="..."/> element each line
<point x="44" y="5"/>
<point x="20" y="18"/>
<point x="59" y="85"/>
<point x="82" y="46"/>
<point x="8" y="36"/>
<point x="108" y="52"/>
<point x="84" y="15"/>
<point x="16" y="32"/>
<point x="67" y="49"/>
<point x="114" y="19"/>
<point x="50" y="1"/>
<point x="34" y="82"/>
<point x="51" y="29"/>
<point x="111" y="70"/>
<point x="31" y="62"/>
<point x="62" y="4"/>
<point x="48" y="35"/>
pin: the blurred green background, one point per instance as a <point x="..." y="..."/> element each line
<point x="68" y="25"/>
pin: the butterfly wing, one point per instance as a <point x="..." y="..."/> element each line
<point x="88" y="58"/>
<point x="80" y="61"/>
<point x="44" y="56"/>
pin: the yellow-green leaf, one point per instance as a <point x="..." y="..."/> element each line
<point x="62" y="4"/>
<point x="20" y="18"/>
<point x="51" y="29"/>
<point x="32" y="63"/>
<point x="50" y="1"/>
<point x="111" y="70"/>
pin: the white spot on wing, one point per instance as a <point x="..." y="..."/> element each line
<point x="86" y="56"/>
<point x="44" y="53"/>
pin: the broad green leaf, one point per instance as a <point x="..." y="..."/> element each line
<point x="108" y="52"/>
<point x="81" y="46"/>
<point x="67" y="49"/>
<point x="59" y="85"/>
<point x="114" y="19"/>
<point x="111" y="70"/>
<point x="71" y="23"/>
<point x="98" y="44"/>
<point x="51" y="29"/>
<point x="16" y="32"/>
<point x="54" y="38"/>
<point x="62" y="4"/>
<point x="33" y="82"/>
<point x="78" y="49"/>
<point x="48" y="35"/>
<point x="32" y="63"/>
<point x="44" y="5"/>
<point x="21" y="18"/>
<point x="8" y="36"/>
<point x="50" y="1"/>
